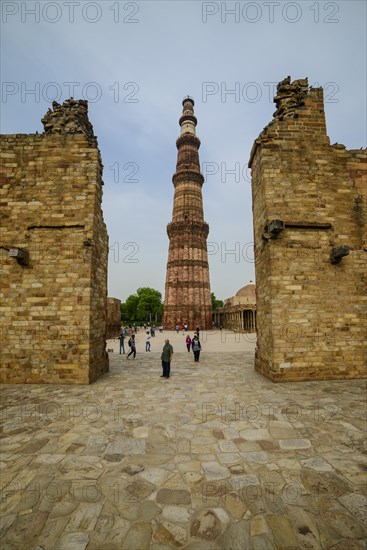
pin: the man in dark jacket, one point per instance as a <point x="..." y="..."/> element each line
<point x="166" y="358"/>
<point x="132" y="345"/>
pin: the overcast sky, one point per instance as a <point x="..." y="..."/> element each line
<point x="135" y="61"/>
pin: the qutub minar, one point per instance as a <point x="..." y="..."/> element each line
<point x="187" y="293"/>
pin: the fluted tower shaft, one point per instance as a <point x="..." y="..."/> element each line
<point x="187" y="294"/>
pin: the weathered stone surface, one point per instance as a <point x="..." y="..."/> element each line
<point x="149" y="510"/>
<point x="262" y="542"/>
<point x="317" y="463"/>
<point x="109" y="530"/>
<point x="114" y="458"/>
<point x="113" y="317"/>
<point x="214" y="471"/>
<point x="69" y="118"/>
<point x="132" y="469"/>
<point x="227" y="446"/>
<point x="70" y="491"/>
<point x="80" y="467"/>
<point x="157" y="476"/>
<point x="130" y="509"/>
<point x="192" y="478"/>
<point x="26" y="528"/>
<point x="141" y="431"/>
<point x="283" y="532"/>
<point x="200" y="544"/>
<point x="305" y="527"/>
<point x="235" y="506"/>
<point x="257" y="457"/>
<point x="76" y="541"/>
<point x="205" y="525"/>
<point x="236" y="536"/>
<point x="170" y="534"/>
<point x="326" y="485"/>
<point x="173" y="496"/>
<point x="351" y="544"/>
<point x="356" y="504"/>
<point x="135" y="490"/>
<point x="290" y="444"/>
<point x="282" y="430"/>
<point x="218" y="434"/>
<point x="308" y="308"/>
<point x="344" y="525"/>
<point x="255" y="435"/>
<point x="52" y="187"/>
<point x="229" y="458"/>
<point x="176" y="514"/>
<point x="85" y="517"/>
<point x="222" y="515"/>
<point x="63" y="509"/>
<point x="138" y="537"/>
<point x="127" y="446"/>
<point x="34" y="446"/>
<point x="259" y="526"/>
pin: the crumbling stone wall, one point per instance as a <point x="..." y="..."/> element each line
<point x="54" y="295"/>
<point x="310" y="295"/>
<point x="113" y="317"/>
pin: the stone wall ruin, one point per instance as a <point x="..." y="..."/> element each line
<point x="309" y="212"/>
<point x="53" y="248"/>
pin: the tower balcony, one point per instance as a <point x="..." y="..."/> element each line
<point x="193" y="227"/>
<point x="191" y="176"/>
<point x="188" y="138"/>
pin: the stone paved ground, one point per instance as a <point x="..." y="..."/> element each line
<point x="216" y="457"/>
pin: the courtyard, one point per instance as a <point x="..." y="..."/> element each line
<point x="216" y="457"/>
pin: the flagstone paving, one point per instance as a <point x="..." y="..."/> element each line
<point x="215" y="458"/>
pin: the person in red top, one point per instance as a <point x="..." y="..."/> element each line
<point x="188" y="343"/>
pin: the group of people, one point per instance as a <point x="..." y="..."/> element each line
<point x="167" y="353"/>
<point x="183" y="326"/>
<point x="132" y="344"/>
<point x="195" y="345"/>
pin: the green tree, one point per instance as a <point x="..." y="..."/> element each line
<point x="143" y="306"/>
<point x="123" y="311"/>
<point x="216" y="303"/>
<point x="131" y="306"/>
<point x="150" y="303"/>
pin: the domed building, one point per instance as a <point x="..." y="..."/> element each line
<point x="239" y="312"/>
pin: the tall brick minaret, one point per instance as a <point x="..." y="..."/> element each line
<point x="187" y="296"/>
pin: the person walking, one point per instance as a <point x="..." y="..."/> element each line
<point x="132" y="345"/>
<point x="147" y="341"/>
<point x="188" y="342"/>
<point x="122" y="338"/>
<point x="196" y="348"/>
<point x="166" y="358"/>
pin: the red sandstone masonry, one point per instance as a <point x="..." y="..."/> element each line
<point x="113" y="317"/>
<point x="311" y="314"/>
<point x="187" y="293"/>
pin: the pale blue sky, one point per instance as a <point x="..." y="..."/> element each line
<point x="136" y="74"/>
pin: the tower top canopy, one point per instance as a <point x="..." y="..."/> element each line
<point x="188" y="119"/>
<point x="188" y="98"/>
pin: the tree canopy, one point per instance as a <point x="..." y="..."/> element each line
<point x="143" y="306"/>
<point x="216" y="303"/>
